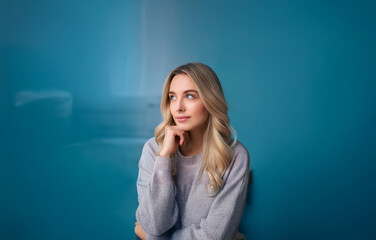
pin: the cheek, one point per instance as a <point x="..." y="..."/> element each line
<point x="171" y="107"/>
<point x="202" y="111"/>
<point x="205" y="114"/>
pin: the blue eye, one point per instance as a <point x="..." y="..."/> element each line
<point x="191" y="96"/>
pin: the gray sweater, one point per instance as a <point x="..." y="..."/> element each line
<point x="183" y="207"/>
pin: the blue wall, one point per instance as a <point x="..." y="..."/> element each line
<point x="80" y="87"/>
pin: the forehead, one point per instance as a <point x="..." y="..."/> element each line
<point x="181" y="82"/>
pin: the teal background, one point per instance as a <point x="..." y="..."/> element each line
<point x="80" y="88"/>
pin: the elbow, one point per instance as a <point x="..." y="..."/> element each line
<point x="152" y="225"/>
<point x="155" y="229"/>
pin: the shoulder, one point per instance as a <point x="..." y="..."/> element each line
<point x="240" y="149"/>
<point x="240" y="163"/>
<point x="240" y="153"/>
<point x="149" y="152"/>
<point x="151" y="146"/>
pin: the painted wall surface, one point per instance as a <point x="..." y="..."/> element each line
<point x="80" y="88"/>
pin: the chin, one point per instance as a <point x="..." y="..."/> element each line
<point x="183" y="127"/>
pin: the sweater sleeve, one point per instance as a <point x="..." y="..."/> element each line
<point x="225" y="213"/>
<point x="157" y="211"/>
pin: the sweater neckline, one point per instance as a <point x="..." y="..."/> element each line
<point x="181" y="154"/>
<point x="192" y="157"/>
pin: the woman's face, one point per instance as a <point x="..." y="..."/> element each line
<point x="185" y="102"/>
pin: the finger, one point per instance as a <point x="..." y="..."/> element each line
<point x="177" y="136"/>
<point x="180" y="134"/>
<point x="182" y="138"/>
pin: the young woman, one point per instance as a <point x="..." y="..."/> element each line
<point x="193" y="176"/>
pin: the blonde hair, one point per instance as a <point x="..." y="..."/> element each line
<point x="217" y="145"/>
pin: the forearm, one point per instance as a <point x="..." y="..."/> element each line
<point x="157" y="211"/>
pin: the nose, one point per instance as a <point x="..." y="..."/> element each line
<point x="180" y="107"/>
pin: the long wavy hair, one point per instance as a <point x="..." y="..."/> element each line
<point x="217" y="141"/>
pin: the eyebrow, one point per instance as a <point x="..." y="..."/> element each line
<point x="190" y="90"/>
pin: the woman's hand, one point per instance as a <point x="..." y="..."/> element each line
<point x="139" y="231"/>
<point x="173" y="138"/>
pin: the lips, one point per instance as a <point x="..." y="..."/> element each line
<point x="182" y="119"/>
